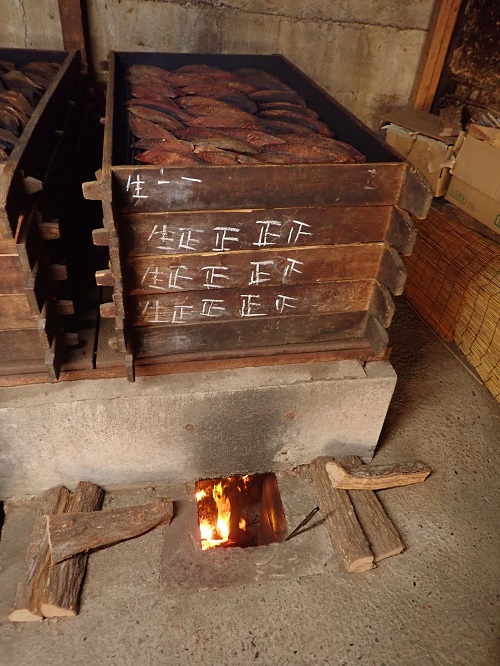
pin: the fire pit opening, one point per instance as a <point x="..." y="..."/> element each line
<point x="240" y="511"/>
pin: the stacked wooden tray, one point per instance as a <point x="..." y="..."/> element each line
<point x="31" y="187"/>
<point x="250" y="260"/>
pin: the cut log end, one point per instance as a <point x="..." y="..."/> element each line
<point x="24" y="615"/>
<point x="50" y="610"/>
<point x="361" y="564"/>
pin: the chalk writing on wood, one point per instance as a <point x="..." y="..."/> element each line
<point x="173" y="239"/>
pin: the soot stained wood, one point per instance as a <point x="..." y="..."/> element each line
<point x="175" y="233"/>
<point x="247" y="268"/>
<point x="250" y="335"/>
<point x="228" y="304"/>
<point x="151" y="189"/>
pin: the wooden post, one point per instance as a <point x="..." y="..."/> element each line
<point x="438" y="41"/>
<point x="71" y="14"/>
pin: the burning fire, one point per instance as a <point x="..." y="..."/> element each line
<point x="215" y="535"/>
<point x="215" y="527"/>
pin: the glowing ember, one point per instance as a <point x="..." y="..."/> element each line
<point x="200" y="494"/>
<point x="242" y="524"/>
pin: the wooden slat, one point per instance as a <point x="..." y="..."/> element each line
<point x="70" y="13"/>
<point x="141" y="189"/>
<point x="199" y="231"/>
<point x="15" y="312"/>
<point x="282" y="332"/>
<point x="228" y="304"/>
<point x="438" y="41"/>
<point x="246" y="268"/>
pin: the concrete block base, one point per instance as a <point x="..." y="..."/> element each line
<point x="190" y="426"/>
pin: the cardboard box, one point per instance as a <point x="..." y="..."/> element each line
<point x="475" y="183"/>
<point x="417" y="137"/>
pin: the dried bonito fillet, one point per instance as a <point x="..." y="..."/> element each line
<point x="20" y="91"/>
<point x="201" y="114"/>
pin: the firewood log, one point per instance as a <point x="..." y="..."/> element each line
<point x="376" y="477"/>
<point x="26" y="604"/>
<point x="62" y="592"/>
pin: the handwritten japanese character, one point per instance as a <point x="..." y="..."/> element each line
<point x="259" y="276"/>
<point x="296" y="231"/>
<point x="249" y="305"/>
<point x="136" y="186"/>
<point x="283" y="302"/>
<point x="221" y="238"/>
<point x="209" y="307"/>
<point x="290" y="267"/>
<point x="266" y="234"/>
<point x="212" y="275"/>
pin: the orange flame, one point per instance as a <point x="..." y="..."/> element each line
<point x="215" y="535"/>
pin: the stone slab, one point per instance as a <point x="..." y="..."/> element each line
<point x="185" y="427"/>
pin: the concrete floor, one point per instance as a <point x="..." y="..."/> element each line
<point x="437" y="603"/>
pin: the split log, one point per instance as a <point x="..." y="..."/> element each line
<point x="62" y="592"/>
<point x="74" y="533"/>
<point x="345" y="531"/>
<point x="376" y="477"/>
<point x="380" y="531"/>
<point x="26" y="604"/>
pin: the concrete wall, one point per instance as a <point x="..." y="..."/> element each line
<point x="364" y="52"/>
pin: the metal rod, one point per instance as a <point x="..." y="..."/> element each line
<point x="303" y="523"/>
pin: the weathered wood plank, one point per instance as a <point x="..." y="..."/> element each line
<point x="246" y="268"/>
<point x="21" y="345"/>
<point x="438" y="41"/>
<point x="152" y="189"/>
<point x="344" y="529"/>
<point x="251" y="334"/>
<point x="227" y="304"/>
<point x="34" y="576"/>
<point x="200" y="231"/>
<point x="376" y="477"/>
<point x="62" y="592"/>
<point x="416" y="194"/>
<point x="15" y="312"/>
<point x="379" y="530"/>
<point x="74" y="533"/>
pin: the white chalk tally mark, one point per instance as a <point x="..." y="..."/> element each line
<point x="296" y="231"/>
<point x="187" y="242"/>
<point x="259" y="276"/>
<point x="212" y="275"/>
<point x="250" y="306"/>
<point x="191" y="180"/>
<point x="161" y="181"/>
<point x="137" y="187"/>
<point x="283" y="302"/>
<point x="290" y="267"/>
<point x="221" y="238"/>
<point x="175" y="276"/>
<point x="209" y="307"/>
<point x="179" y="311"/>
<point x="265" y="234"/>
